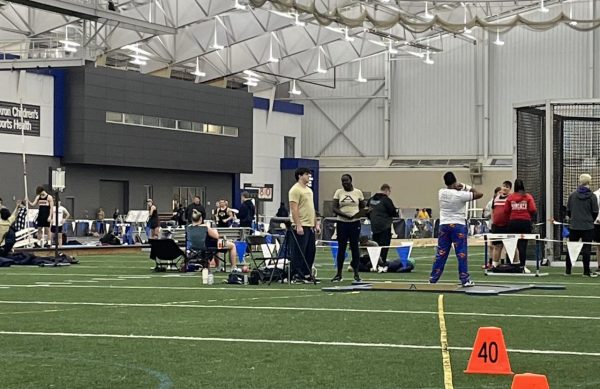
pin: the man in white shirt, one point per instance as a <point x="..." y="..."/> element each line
<point x="63" y="215"/>
<point x="453" y="228"/>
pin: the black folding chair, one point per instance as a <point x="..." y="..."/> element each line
<point x="165" y="252"/>
<point x="203" y="256"/>
<point x="267" y="257"/>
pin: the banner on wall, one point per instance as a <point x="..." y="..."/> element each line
<point x="14" y="119"/>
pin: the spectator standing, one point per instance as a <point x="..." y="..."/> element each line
<point x="195" y="205"/>
<point x="247" y="211"/>
<point x="381" y="213"/>
<point x="519" y="209"/>
<point x="582" y="210"/>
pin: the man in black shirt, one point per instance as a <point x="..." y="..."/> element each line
<point x="198" y="207"/>
<point x="247" y="211"/>
<point x="381" y="213"/>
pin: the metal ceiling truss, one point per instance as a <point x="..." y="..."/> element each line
<point x="225" y="37"/>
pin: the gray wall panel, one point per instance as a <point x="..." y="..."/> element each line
<point x="90" y="140"/>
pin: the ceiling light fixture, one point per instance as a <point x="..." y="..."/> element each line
<point x="498" y="41"/>
<point x="572" y="22"/>
<point x="197" y="72"/>
<point x="319" y="69"/>
<point x="427" y="59"/>
<point x="69" y="46"/>
<point x="297" y="20"/>
<point x="360" y="77"/>
<point x="467" y="30"/>
<point x="215" y="45"/>
<point x="251" y="81"/>
<point x="294" y="91"/>
<point x="427" y="15"/>
<point x="239" y="6"/>
<point x="272" y="59"/>
<point x="543" y="8"/>
<point x="347" y="37"/>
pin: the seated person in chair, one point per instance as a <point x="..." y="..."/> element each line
<point x="198" y="235"/>
<point x="6" y="219"/>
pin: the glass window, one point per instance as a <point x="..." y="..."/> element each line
<point x="289" y="147"/>
<point x="198" y="127"/>
<point x="150" y="121"/>
<point x="132" y="119"/>
<point x="116" y="117"/>
<point x="184" y="125"/>
<point x="167" y="123"/>
<point x="214" y="129"/>
<point x="231" y="131"/>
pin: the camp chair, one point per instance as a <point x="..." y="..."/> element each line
<point x="203" y="255"/>
<point x="165" y="252"/>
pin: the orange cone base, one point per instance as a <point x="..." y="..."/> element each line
<point x="530" y="381"/>
<point x="489" y="355"/>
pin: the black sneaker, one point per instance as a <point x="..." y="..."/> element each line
<point x="311" y="280"/>
<point x="337" y="278"/>
<point x="299" y="280"/>
<point x="357" y="277"/>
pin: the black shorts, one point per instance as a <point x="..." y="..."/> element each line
<point x="597" y="233"/>
<point x="498" y="230"/>
<point x="42" y="223"/>
<point x="53" y="229"/>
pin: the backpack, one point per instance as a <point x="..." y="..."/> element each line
<point x="235" y="279"/>
<point x="256" y="277"/>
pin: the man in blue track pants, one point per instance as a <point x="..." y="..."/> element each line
<point x="453" y="228"/>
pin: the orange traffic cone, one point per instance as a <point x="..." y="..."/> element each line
<point x="530" y="381"/>
<point x="489" y="355"/>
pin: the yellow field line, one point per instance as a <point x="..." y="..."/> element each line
<point x="444" y="344"/>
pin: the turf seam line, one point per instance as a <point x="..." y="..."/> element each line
<point x="250" y="307"/>
<point x="283" y="341"/>
<point x="444" y="345"/>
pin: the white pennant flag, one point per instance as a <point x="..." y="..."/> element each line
<point x="510" y="245"/>
<point x="574" y="250"/>
<point x="374" y="255"/>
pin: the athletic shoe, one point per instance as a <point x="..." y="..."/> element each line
<point x="236" y="270"/>
<point x="591" y="275"/>
<point x="357" y="277"/>
<point x="311" y="280"/>
<point x="468" y="284"/>
<point x="526" y="270"/>
<point x="299" y="280"/>
<point x="337" y="278"/>
<point x="382" y="269"/>
<point x="567" y="274"/>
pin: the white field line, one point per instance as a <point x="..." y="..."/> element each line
<point x="281" y="341"/>
<point x="250" y="289"/>
<point x="191" y="275"/>
<point x="231" y="289"/>
<point x="305" y="309"/>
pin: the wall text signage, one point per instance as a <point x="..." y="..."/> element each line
<point x="14" y="119"/>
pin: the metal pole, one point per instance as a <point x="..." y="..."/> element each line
<point x="386" y="108"/>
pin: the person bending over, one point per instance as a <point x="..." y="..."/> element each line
<point x="381" y="213"/>
<point x="453" y="228"/>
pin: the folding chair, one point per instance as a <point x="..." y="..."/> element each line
<point x="270" y="255"/>
<point x="25" y="238"/>
<point x="165" y="252"/>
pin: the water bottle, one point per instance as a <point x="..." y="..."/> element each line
<point x="211" y="278"/>
<point x="245" y="279"/>
<point x="205" y="276"/>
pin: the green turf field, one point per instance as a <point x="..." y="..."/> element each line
<point x="110" y="322"/>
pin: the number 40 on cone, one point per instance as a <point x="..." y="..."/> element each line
<point x="489" y="355"/>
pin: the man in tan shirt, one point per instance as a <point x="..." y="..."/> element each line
<point x="304" y="226"/>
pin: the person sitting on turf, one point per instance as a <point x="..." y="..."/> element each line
<point x="364" y="263"/>
<point x="398" y="266"/>
<point x="6" y="220"/>
<point x="197" y="234"/>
